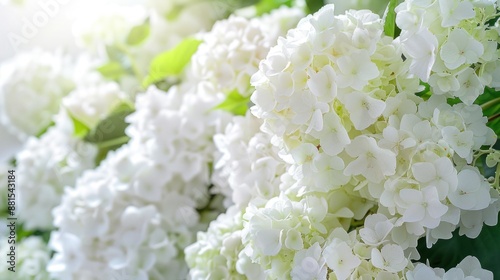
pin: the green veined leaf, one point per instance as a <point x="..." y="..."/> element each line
<point x="235" y="103"/>
<point x="112" y="70"/>
<point x="265" y="6"/>
<point x="138" y="34"/>
<point x="42" y="132"/>
<point x="116" y="54"/>
<point x="490" y="102"/>
<point x="390" y="19"/>
<point x="172" y="62"/>
<point x="80" y="130"/>
<point x="314" y="5"/>
<point x="426" y="92"/>
<point x="448" y="253"/>
<point x="110" y="134"/>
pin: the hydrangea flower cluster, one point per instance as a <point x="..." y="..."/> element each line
<point x="231" y="52"/>
<point x="452" y="45"/>
<point x="360" y="146"/>
<point x="248" y="167"/>
<point x="139" y="209"/>
<point x="217" y="253"/>
<point x="339" y="101"/>
<point x="40" y="77"/>
<point x="160" y="163"/>
<point x="45" y="167"/>
<point x="468" y="268"/>
<point x="31" y="259"/>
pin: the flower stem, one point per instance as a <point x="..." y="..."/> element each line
<point x="490" y="103"/>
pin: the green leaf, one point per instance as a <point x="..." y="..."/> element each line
<point x="116" y="54"/>
<point x="314" y="5"/>
<point x="110" y="134"/>
<point x="138" y="34"/>
<point x="42" y="132"/>
<point x="490" y="102"/>
<point x="80" y="130"/>
<point x="112" y="70"/>
<point x="265" y="6"/>
<point x="448" y="253"/>
<point x="172" y="62"/>
<point x="235" y="103"/>
<point x="426" y="92"/>
<point x="390" y="19"/>
<point x="175" y="12"/>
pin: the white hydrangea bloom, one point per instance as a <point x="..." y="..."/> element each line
<point x="468" y="268"/>
<point x="139" y="209"/>
<point x="32" y="256"/>
<point x="232" y="51"/>
<point x="92" y="103"/>
<point x="248" y="167"/>
<point x="217" y="252"/>
<point x="45" y="167"/>
<point x="450" y="45"/>
<point x="339" y="102"/>
<point x="32" y="85"/>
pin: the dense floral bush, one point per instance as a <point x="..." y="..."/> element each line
<point x="258" y="140"/>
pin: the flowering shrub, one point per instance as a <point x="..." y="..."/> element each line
<point x="248" y="140"/>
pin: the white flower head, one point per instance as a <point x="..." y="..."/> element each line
<point x="45" y="167"/>
<point x="32" y="256"/>
<point x="233" y="49"/>
<point x="32" y="86"/>
<point x="309" y="264"/>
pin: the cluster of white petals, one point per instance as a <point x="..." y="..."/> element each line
<point x="356" y="149"/>
<point x="468" y="268"/>
<point x="39" y="77"/>
<point x="139" y="209"/>
<point x="452" y="45"/>
<point x="44" y="167"/>
<point x="32" y="256"/>
<point x="339" y="101"/>
<point x="231" y="52"/>
<point x="217" y="253"/>
<point x="248" y="167"/>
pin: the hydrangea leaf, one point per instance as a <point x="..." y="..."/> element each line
<point x="138" y="34"/>
<point x="171" y="62"/>
<point x="448" y="253"/>
<point x="42" y="132"/>
<point x="314" y="5"/>
<point x="235" y="103"/>
<point x="112" y="70"/>
<point x="80" y="130"/>
<point x="390" y="19"/>
<point x="110" y="134"/>
<point x="490" y="102"/>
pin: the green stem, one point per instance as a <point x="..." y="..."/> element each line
<point x="490" y="103"/>
<point x="494" y="117"/>
<point x="497" y="177"/>
<point x="114" y="142"/>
